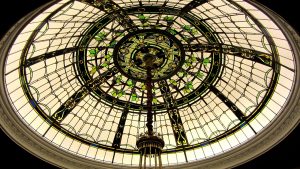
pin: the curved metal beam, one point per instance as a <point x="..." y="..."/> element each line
<point x="114" y="10"/>
<point x="250" y="54"/>
<point x="66" y="108"/>
<point x="121" y="126"/>
<point x="173" y="112"/>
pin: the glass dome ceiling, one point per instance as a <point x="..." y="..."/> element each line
<point x="76" y="76"/>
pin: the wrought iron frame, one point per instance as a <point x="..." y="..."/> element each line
<point x="216" y="49"/>
<point x="262" y="60"/>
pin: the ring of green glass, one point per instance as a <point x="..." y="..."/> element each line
<point x="131" y="52"/>
<point x="193" y="94"/>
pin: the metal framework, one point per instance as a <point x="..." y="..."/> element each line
<point x="215" y="59"/>
<point x="181" y="69"/>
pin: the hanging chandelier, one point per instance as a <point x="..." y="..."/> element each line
<point x="150" y="147"/>
<point x="150" y="144"/>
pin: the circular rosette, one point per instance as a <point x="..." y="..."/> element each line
<point x="155" y="49"/>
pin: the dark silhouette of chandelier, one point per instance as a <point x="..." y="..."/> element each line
<point x="150" y="144"/>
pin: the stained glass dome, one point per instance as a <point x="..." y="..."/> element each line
<point x="224" y="72"/>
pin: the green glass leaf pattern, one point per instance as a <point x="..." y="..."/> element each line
<point x="200" y="75"/>
<point x="120" y="34"/>
<point x="172" y="31"/>
<point x="114" y="93"/>
<point x="194" y="31"/>
<point x="173" y="82"/>
<point x="142" y="17"/>
<point x="121" y="93"/>
<point x="100" y="36"/>
<point x="146" y="24"/>
<point x="94" y="70"/>
<point x="130" y="83"/>
<point x="187" y="27"/>
<point x="193" y="59"/>
<point x="169" y="18"/>
<point x="186" y="38"/>
<point x="108" y="56"/>
<point x="188" y="87"/>
<point x="119" y="79"/>
<point x="190" y="61"/>
<point x="117" y="93"/>
<point x="185" y="90"/>
<point x="181" y="74"/>
<point x="143" y="87"/>
<point x="155" y="101"/>
<point x="93" y="52"/>
<point x="105" y="64"/>
<point x="134" y="97"/>
<point x="113" y="43"/>
<point x="154" y="90"/>
<point x="206" y="61"/>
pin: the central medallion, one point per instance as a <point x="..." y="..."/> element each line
<point x="149" y="56"/>
<point x="153" y="48"/>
